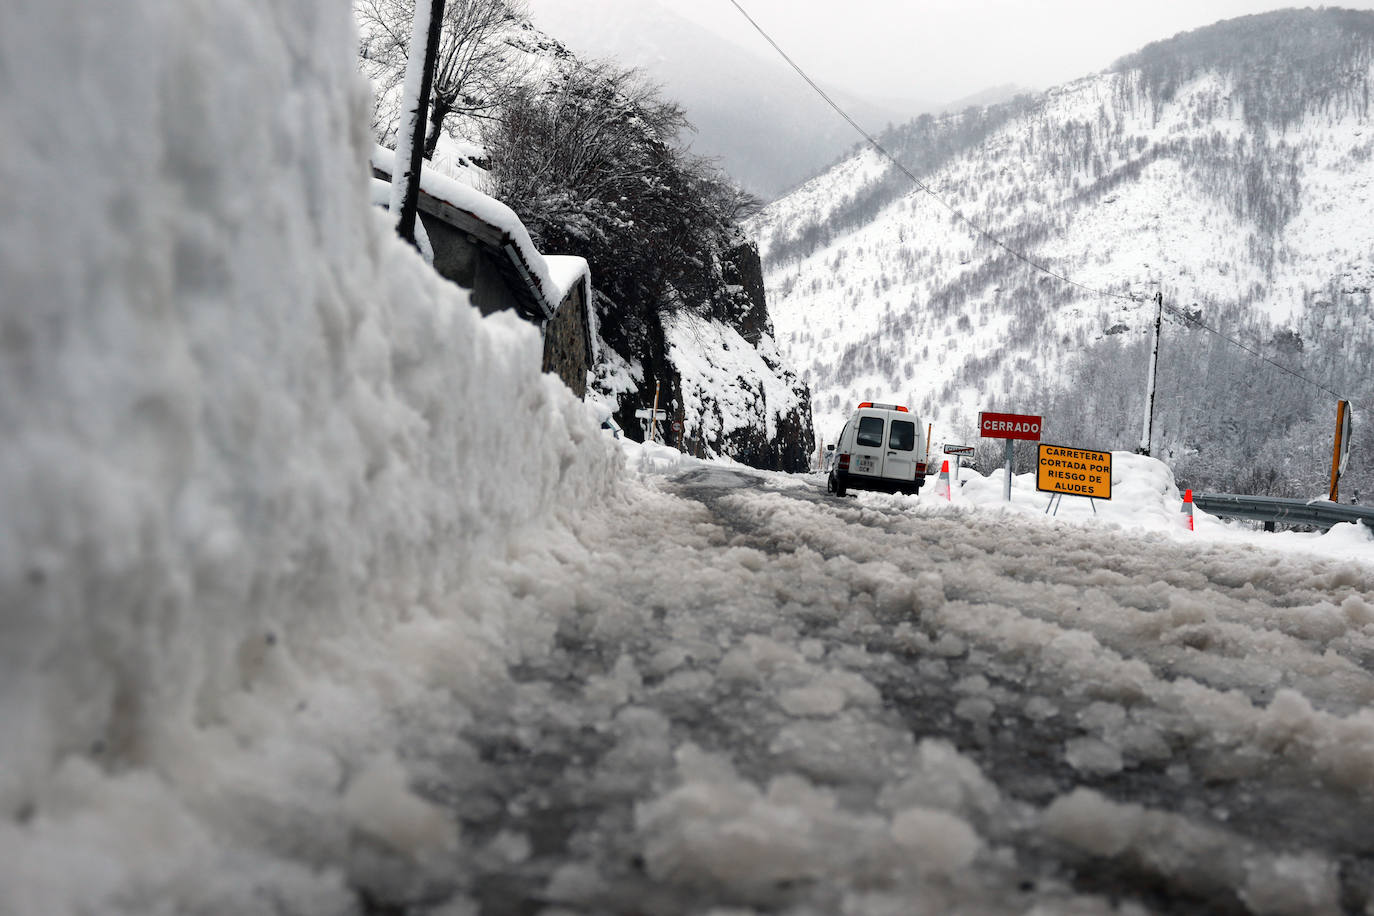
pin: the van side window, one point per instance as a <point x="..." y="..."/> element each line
<point x="903" y="436"/>
<point x="870" y="432"/>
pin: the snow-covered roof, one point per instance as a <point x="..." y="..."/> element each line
<point x="567" y="271"/>
<point x="490" y="221"/>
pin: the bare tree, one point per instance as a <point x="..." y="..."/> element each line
<point x="591" y="160"/>
<point x="474" y="68"/>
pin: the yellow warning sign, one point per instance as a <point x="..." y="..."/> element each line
<point x="1074" y="471"/>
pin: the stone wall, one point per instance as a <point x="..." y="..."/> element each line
<point x="471" y="266"/>
<point x="566" y="348"/>
<point x="479" y="266"/>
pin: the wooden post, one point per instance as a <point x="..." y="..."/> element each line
<point x="929" y="428"/>
<point x="1341" y="448"/>
<point x="653" y="417"/>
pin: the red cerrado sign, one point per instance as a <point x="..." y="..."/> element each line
<point x="1009" y="426"/>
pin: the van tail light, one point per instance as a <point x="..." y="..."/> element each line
<point x="844" y="461"/>
<point x="920" y="468"/>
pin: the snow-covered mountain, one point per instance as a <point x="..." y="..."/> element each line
<point x="1230" y="169"/>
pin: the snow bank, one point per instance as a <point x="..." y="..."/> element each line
<point x="253" y="450"/>
<point x="1144" y="496"/>
<point x="1145" y="500"/>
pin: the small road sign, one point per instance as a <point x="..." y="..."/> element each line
<point x="646" y="414"/>
<point x="959" y="450"/>
<point x="677" y="426"/>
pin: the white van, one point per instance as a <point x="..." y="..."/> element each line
<point x="880" y="448"/>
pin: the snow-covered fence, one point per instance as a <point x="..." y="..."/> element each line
<point x="1319" y="513"/>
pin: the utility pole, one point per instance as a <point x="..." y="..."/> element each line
<point x="410" y="138"/>
<point x="1148" y="429"/>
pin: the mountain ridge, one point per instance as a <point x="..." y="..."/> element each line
<point x="1164" y="173"/>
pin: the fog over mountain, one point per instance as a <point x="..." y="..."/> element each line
<point x="768" y="129"/>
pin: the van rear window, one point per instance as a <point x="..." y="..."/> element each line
<point x="870" y="432"/>
<point x="903" y="436"/>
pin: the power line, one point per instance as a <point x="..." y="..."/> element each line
<point x="985" y="233"/>
<point x="911" y="175"/>
<point x="1189" y="319"/>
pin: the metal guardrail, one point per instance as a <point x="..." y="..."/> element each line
<point x="1319" y="513"/>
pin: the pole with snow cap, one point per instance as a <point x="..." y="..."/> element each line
<point x="1148" y="429"/>
<point x="410" y="138"/>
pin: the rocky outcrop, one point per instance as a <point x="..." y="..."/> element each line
<point x="790" y="446"/>
<point x="746" y="305"/>
<point x="724" y="386"/>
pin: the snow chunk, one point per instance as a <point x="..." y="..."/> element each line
<point x="1088" y="821"/>
<point x="944" y="779"/>
<point x="1358" y="611"/>
<point x="937" y="840"/>
<point x="1093" y="756"/>
<point x="716" y="827"/>
<point x="815" y="700"/>
<point x="379" y="803"/>
<point x="1292" y="886"/>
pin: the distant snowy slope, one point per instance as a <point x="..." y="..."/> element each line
<point x="1173" y="173"/>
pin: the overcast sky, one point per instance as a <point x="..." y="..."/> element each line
<point x="947" y="49"/>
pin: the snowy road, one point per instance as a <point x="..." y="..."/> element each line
<point x="762" y="698"/>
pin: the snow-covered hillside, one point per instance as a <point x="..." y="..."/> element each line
<point x="587" y="155"/>
<point x="1126" y="182"/>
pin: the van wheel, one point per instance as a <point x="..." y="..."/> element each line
<point x="840" y="488"/>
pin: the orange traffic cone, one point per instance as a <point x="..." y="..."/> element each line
<point x="942" y="488"/>
<point x="1188" y="507"/>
